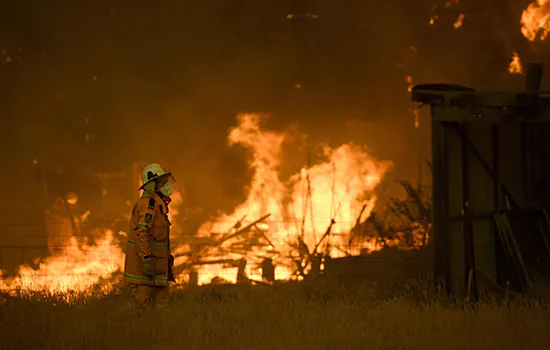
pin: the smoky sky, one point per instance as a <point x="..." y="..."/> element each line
<point x="94" y="86"/>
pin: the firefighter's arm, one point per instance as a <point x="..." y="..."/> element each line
<point x="145" y="217"/>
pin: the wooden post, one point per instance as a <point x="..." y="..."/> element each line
<point x="268" y="270"/>
<point x="241" y="273"/>
<point x="193" y="277"/>
<point x="440" y="213"/>
<point x="533" y="78"/>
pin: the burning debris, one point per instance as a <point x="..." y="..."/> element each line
<point x="78" y="267"/>
<point x="515" y="66"/>
<point x="293" y="223"/>
<point x="535" y="20"/>
<point x="409" y="81"/>
<point x="284" y="230"/>
<point x="415" y="111"/>
<point x="445" y="9"/>
<point x="459" y="21"/>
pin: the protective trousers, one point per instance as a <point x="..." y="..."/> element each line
<point x="143" y="296"/>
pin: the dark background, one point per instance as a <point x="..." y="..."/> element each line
<point x="163" y="81"/>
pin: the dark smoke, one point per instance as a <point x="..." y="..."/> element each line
<point x="163" y="81"/>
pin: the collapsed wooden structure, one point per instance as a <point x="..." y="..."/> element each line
<point x="491" y="186"/>
<point x="240" y="239"/>
<point x="232" y="249"/>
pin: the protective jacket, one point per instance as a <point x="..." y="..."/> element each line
<point x="149" y="236"/>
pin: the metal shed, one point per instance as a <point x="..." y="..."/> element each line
<point x="491" y="186"/>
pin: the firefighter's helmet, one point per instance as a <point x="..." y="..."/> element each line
<point x="152" y="172"/>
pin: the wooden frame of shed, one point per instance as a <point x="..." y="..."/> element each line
<point x="488" y="152"/>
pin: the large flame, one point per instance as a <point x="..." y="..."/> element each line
<point x="173" y="213"/>
<point x="535" y="20"/>
<point x="77" y="267"/>
<point x="328" y="197"/>
<point x="300" y="209"/>
<point x="312" y="213"/>
<point x="340" y="188"/>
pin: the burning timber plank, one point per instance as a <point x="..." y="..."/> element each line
<point x="242" y="231"/>
<point x="231" y="262"/>
<point x="191" y="265"/>
<point x="206" y="248"/>
<point x="211" y="241"/>
<point x="193" y="240"/>
<point x="327" y="233"/>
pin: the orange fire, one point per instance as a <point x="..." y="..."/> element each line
<point x="416" y="112"/>
<point x="300" y="208"/>
<point x="78" y="267"/>
<point x="515" y="66"/>
<point x="459" y="21"/>
<point x="409" y="81"/>
<point x="447" y="4"/>
<point x="337" y="192"/>
<point x="173" y="213"/>
<point x="535" y="20"/>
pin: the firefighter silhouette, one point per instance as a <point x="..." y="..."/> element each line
<point x="63" y="223"/>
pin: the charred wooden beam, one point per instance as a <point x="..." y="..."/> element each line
<point x="241" y="273"/>
<point x="268" y="270"/>
<point x="238" y="223"/>
<point x="327" y="233"/>
<point x="232" y="262"/>
<point x="241" y="231"/>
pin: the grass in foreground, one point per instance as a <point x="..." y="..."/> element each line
<point x="286" y="317"/>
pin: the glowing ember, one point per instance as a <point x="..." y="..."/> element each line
<point x="459" y="21"/>
<point x="76" y="268"/>
<point x="298" y="210"/>
<point x="4" y="57"/>
<point x="447" y="4"/>
<point x="416" y="112"/>
<point x="535" y="20"/>
<point x="409" y="81"/>
<point x="515" y="66"/>
<point x="314" y="213"/>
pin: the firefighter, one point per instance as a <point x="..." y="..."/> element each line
<point x="148" y="263"/>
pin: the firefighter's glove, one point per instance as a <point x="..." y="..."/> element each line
<point x="149" y="268"/>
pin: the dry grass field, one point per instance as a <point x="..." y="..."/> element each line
<point x="289" y="316"/>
